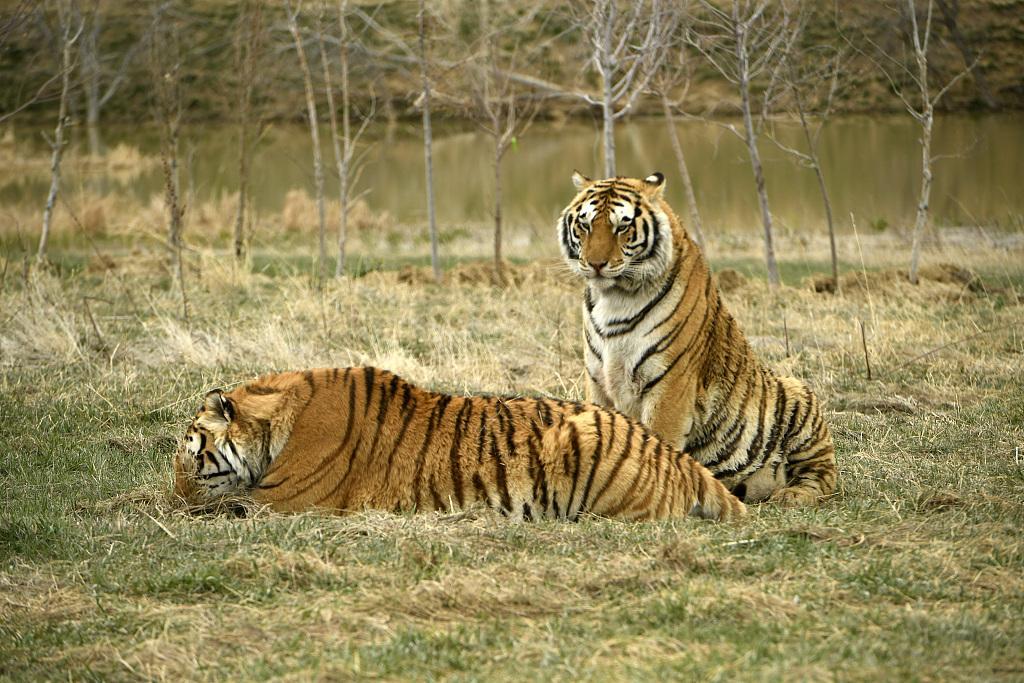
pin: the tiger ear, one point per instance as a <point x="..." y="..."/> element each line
<point x="580" y="180"/>
<point x="654" y="185"/>
<point x="219" y="405"/>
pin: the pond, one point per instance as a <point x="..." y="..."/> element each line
<point x="872" y="167"/>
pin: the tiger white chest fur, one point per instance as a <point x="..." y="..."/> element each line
<point x="619" y="328"/>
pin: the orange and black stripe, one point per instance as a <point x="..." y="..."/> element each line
<point x="661" y="346"/>
<point x="364" y="438"/>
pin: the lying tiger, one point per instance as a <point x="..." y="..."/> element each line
<point x="661" y="347"/>
<point x="356" y="438"/>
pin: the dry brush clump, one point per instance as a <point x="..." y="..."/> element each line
<point x="119" y="220"/>
<point x="299" y="214"/>
<point x="503" y="338"/>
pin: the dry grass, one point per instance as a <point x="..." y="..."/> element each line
<point x="914" y="570"/>
<point x="299" y="214"/>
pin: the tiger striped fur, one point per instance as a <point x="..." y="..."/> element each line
<point x="661" y="347"/>
<point x="356" y="438"/>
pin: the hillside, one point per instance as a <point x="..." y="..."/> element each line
<point x="993" y="30"/>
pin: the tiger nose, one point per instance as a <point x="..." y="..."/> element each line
<point x="597" y="265"/>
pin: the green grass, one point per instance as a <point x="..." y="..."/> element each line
<point x="915" y="570"/>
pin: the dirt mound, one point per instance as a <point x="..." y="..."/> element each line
<point x="483" y="272"/>
<point x="547" y="272"/>
<point x="729" y="279"/>
<point x="822" y="284"/>
<point x="100" y="263"/>
<point x="943" y="281"/>
<point x="952" y="274"/>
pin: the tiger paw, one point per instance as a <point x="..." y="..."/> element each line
<point x="792" y="497"/>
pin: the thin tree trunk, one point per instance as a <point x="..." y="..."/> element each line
<point x="427" y="142"/>
<point x="174" y="211"/>
<point x="172" y="189"/>
<point x="390" y="118"/>
<point x="497" y="131"/>
<point x="346" y="156"/>
<point x="751" y="140"/>
<point x="164" y="66"/>
<point x="170" y="106"/>
<point x="339" y="158"/>
<point x="762" y="198"/>
<point x="828" y="217"/>
<point x="91" y="78"/>
<point x="499" y="266"/>
<point x="684" y="173"/>
<point x="243" y="184"/>
<point x="921" y="219"/>
<point x="812" y="149"/>
<point x="607" y="105"/>
<point x="314" y="132"/>
<point x="345" y="124"/>
<point x="609" y="134"/>
<point x="92" y="128"/>
<point x="58" y="133"/>
<point x="925" y="118"/>
<point x="247" y="65"/>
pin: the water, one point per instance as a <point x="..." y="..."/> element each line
<point x="872" y="167"/>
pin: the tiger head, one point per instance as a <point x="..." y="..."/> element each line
<point x="223" y="452"/>
<point x="616" y="232"/>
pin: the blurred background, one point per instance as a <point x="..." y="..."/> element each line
<point x="228" y="79"/>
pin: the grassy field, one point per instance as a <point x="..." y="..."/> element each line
<point x="914" y="570"/>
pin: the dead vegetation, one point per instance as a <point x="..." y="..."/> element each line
<point x="960" y="281"/>
<point x="912" y="570"/>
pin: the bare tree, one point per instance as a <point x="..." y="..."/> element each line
<point x="314" y="131"/>
<point x="924" y="114"/>
<point x="10" y="21"/>
<point x="745" y="45"/>
<point x="165" y="64"/>
<point x="675" y="72"/>
<point x="425" y="62"/>
<point x="497" y="107"/>
<point x="248" y="45"/>
<point x="908" y="75"/>
<point x="32" y="99"/>
<point x="68" y="36"/>
<point x="90" y="67"/>
<point x="428" y="138"/>
<point x="950" y="16"/>
<point x="344" y="142"/>
<point x="624" y="50"/>
<point x="697" y="225"/>
<point x="98" y="93"/>
<point x="14" y="17"/>
<point x="801" y="75"/>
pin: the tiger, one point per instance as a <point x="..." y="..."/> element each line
<point x="349" y="439"/>
<point x="660" y="346"/>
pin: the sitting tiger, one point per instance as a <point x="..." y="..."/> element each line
<point x="661" y="347"/>
<point x="356" y="438"/>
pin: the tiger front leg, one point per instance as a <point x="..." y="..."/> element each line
<point x="671" y="413"/>
<point x="811" y="462"/>
<point x="811" y="479"/>
<point x="595" y="390"/>
<point x="597" y="394"/>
